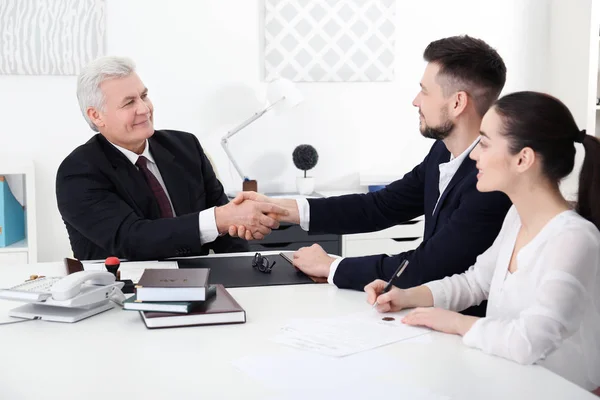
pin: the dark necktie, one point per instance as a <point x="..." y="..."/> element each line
<point x="159" y="193"/>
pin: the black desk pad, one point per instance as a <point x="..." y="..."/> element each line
<point x="237" y="271"/>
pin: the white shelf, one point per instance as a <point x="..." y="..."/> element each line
<point x="24" y="251"/>
<point x="11" y="165"/>
<point x="20" y="246"/>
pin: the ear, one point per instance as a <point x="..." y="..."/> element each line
<point x="460" y="102"/>
<point x="95" y="116"/>
<point x="526" y="158"/>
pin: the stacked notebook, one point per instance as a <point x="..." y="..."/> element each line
<point x="183" y="297"/>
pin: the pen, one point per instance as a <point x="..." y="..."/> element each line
<point x="387" y="287"/>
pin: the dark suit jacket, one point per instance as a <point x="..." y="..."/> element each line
<point x="109" y="209"/>
<point x="464" y="225"/>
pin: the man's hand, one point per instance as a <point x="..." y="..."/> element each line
<point x="313" y="261"/>
<point x="237" y="230"/>
<point x="441" y="320"/>
<point x="239" y="199"/>
<point x="257" y="218"/>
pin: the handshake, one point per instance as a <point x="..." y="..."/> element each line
<point x="252" y="215"/>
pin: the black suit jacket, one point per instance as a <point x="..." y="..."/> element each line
<point x="109" y="209"/>
<point x="464" y="225"/>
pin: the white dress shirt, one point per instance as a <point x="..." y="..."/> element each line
<point x="447" y="172"/>
<point x="207" y="222"/>
<point x="547" y="311"/>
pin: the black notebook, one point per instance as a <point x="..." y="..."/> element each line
<point x="237" y="271"/>
<point x="221" y="309"/>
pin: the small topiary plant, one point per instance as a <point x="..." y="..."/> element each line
<point x="305" y="157"/>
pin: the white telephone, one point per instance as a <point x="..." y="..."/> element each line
<point x="69" y="299"/>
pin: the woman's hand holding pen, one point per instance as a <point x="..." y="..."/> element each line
<point x="394" y="300"/>
<point x="435" y="318"/>
<point x="397" y="299"/>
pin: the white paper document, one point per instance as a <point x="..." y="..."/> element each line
<point x="342" y="336"/>
<point x="132" y="269"/>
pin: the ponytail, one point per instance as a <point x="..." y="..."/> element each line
<point x="545" y="124"/>
<point x="588" y="202"/>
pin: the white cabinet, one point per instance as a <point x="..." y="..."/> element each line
<point x="20" y="173"/>
<point x="394" y="240"/>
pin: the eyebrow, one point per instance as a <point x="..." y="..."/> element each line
<point x="482" y="133"/>
<point x="126" y="99"/>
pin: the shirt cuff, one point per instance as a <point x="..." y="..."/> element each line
<point x="208" y="226"/>
<point x="473" y="335"/>
<point x="332" y="268"/>
<point x="439" y="294"/>
<point x="303" y="213"/>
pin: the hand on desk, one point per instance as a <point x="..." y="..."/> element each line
<point x="440" y="320"/>
<point x="313" y="261"/>
<point x="286" y="211"/>
<point x="255" y="217"/>
<point x="437" y="319"/>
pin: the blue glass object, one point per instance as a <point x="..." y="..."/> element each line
<point x="12" y="216"/>
<point x="374" y="188"/>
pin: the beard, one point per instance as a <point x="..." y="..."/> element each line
<point x="439" y="132"/>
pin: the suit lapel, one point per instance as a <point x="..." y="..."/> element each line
<point x="433" y="181"/>
<point x="132" y="182"/>
<point x="464" y="169"/>
<point x="173" y="176"/>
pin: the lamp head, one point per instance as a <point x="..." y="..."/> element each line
<point x="283" y="94"/>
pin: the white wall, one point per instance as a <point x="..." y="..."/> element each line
<point x="568" y="65"/>
<point x="518" y="29"/>
<point x="201" y="62"/>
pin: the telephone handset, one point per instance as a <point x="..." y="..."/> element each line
<point x="85" y="288"/>
<point x="70" y="286"/>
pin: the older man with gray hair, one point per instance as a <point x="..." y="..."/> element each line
<point x="138" y="193"/>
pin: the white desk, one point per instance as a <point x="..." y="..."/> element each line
<point x="113" y="356"/>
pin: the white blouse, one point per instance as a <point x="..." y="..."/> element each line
<point x="547" y="311"/>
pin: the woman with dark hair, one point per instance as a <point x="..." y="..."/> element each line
<point x="541" y="276"/>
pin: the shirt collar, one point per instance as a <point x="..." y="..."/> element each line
<point x="456" y="162"/>
<point x="133" y="157"/>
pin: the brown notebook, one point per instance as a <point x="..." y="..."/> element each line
<point x="221" y="309"/>
<point x="173" y="284"/>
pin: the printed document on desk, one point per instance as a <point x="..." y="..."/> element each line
<point x="342" y="336"/>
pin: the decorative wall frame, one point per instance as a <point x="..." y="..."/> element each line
<point x="50" y="37"/>
<point x="330" y="41"/>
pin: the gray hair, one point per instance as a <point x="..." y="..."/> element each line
<point x="89" y="93"/>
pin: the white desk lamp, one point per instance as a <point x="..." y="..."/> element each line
<point x="282" y="95"/>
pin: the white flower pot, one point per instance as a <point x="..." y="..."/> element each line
<point x="305" y="185"/>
